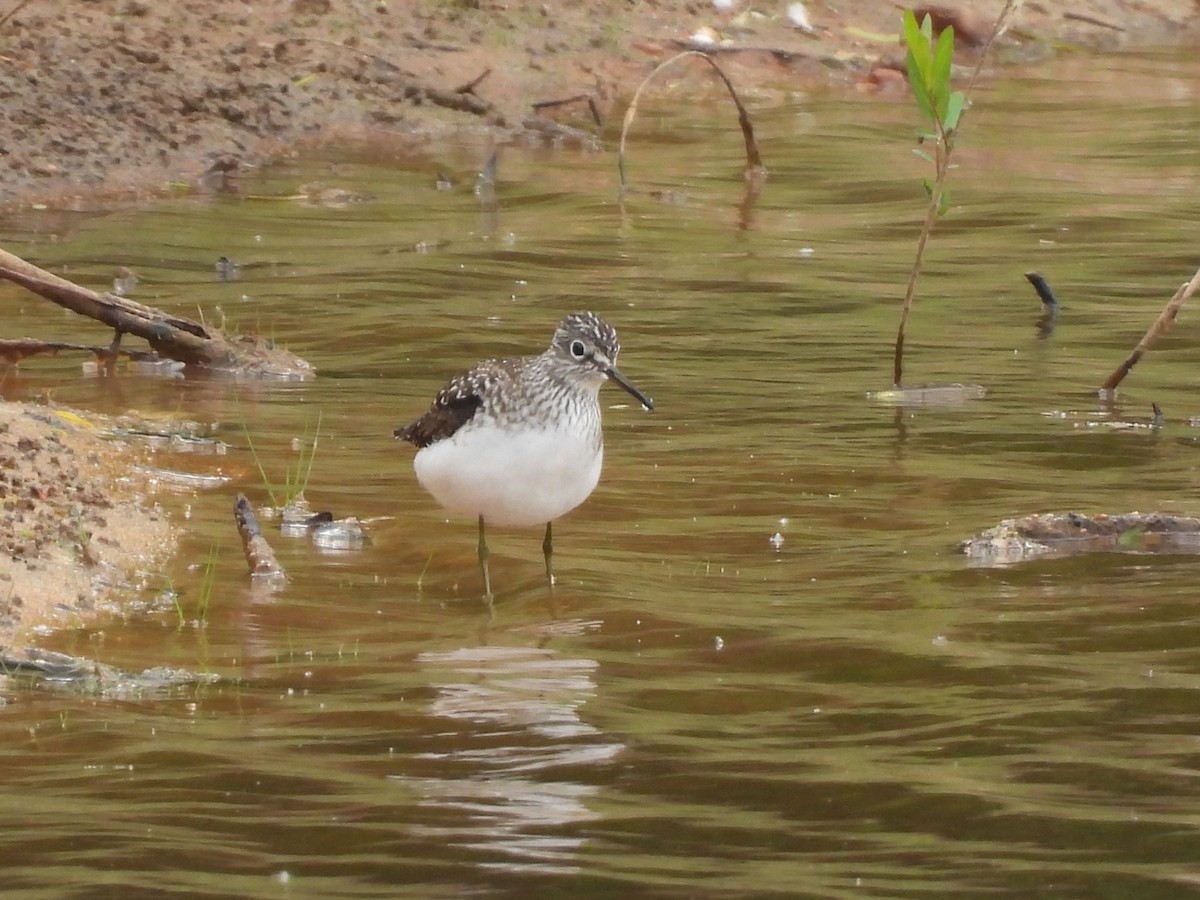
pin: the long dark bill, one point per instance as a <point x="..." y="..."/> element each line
<point x="624" y="382"/>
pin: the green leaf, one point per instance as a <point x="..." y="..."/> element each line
<point x="954" y="110"/>
<point x="920" y="92"/>
<point x="925" y="156"/>
<point x="940" y="72"/>
<point x="943" y="203"/>
<point x="918" y="40"/>
<point x="941" y="59"/>
<point x="928" y="188"/>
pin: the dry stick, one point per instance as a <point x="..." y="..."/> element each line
<point x="469" y="87"/>
<point x="460" y="99"/>
<point x="259" y="554"/>
<point x="935" y="199"/>
<point x="1163" y="323"/>
<point x="754" y="165"/>
<point x="173" y="337"/>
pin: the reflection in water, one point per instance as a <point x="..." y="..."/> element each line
<point x="514" y="712"/>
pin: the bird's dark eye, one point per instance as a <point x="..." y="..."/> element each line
<point x="577" y="349"/>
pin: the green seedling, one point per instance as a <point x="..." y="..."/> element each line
<point x="929" y="66"/>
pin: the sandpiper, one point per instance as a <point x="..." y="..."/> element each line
<point x="518" y="441"/>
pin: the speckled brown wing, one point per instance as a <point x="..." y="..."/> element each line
<point x="454" y="407"/>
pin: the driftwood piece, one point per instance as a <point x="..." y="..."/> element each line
<point x="172" y="337"/>
<point x="1069" y="534"/>
<point x="1163" y="323"/>
<point x="258" y="552"/>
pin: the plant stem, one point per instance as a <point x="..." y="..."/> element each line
<point x="931" y="217"/>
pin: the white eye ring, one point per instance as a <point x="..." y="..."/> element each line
<point x="577" y="349"/>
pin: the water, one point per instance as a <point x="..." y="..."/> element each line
<point x="765" y="669"/>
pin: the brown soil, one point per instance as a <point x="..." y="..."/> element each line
<point x="120" y="98"/>
<point x="109" y="96"/>
<point x="73" y="529"/>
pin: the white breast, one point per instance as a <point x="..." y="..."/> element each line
<point x="511" y="477"/>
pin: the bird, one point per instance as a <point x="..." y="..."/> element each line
<point x="518" y="441"/>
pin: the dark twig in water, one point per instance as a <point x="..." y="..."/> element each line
<point x="258" y="552"/>
<point x="754" y="164"/>
<point x="1043" y="290"/>
<point x="1050" y="305"/>
<point x="13" y="351"/>
<point x="1162" y="324"/>
<point x="1157" y="421"/>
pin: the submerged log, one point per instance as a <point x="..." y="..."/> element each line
<point x="193" y="343"/>
<point x="1069" y="534"/>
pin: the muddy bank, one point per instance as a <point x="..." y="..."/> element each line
<point x="76" y="528"/>
<point x="129" y="97"/>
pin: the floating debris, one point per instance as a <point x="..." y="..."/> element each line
<point x="1069" y="534"/>
<point x="227" y="269"/>
<point x="346" y="534"/>
<point x="295" y="517"/>
<point x="1081" y="420"/>
<point x="125" y="282"/>
<point x="86" y="674"/>
<point x="184" y="480"/>
<point x="929" y="395"/>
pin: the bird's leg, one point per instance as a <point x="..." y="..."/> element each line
<point x="484" y="553"/>
<point x="548" y="551"/>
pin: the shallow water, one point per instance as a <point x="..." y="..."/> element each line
<point x="765" y="668"/>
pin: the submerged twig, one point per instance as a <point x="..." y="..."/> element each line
<point x="1165" y="320"/>
<point x="13" y="351"/>
<point x="258" y="552"/>
<point x="754" y="165"/>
